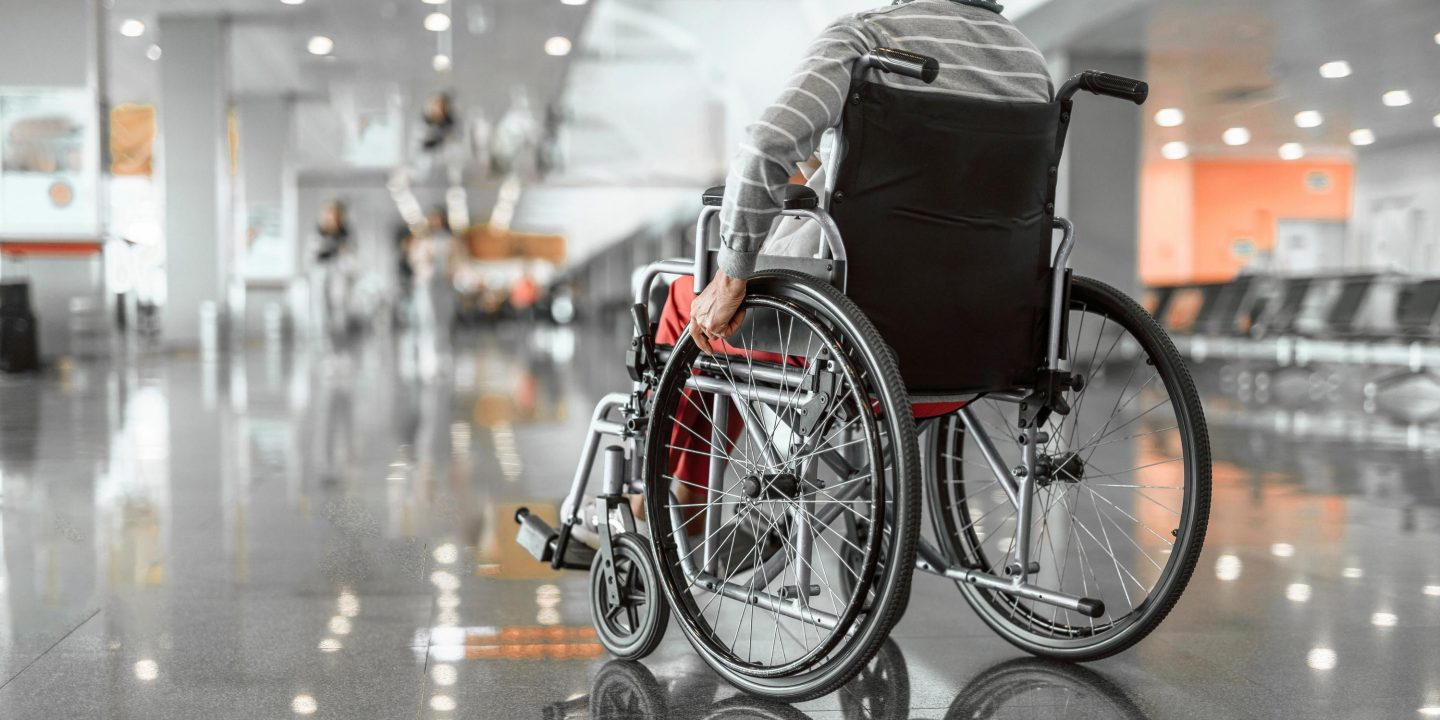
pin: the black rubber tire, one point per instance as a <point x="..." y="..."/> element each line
<point x="892" y="581"/>
<point x="638" y="642"/>
<point x="1195" y="513"/>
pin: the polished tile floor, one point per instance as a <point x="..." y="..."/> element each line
<point x="276" y="535"/>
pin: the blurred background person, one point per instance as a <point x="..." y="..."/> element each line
<point x="433" y="256"/>
<point x="332" y="271"/>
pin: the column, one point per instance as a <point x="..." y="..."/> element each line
<point x="194" y="168"/>
<point x="1100" y="187"/>
<point x="267" y="259"/>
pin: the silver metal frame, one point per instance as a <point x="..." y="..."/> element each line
<point x="1019" y="484"/>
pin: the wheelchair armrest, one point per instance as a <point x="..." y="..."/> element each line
<point x="792" y="197"/>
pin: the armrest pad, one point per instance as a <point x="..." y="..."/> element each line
<point x="793" y="197"/>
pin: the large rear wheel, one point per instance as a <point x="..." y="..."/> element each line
<point x="771" y="471"/>
<point x="1122" y="491"/>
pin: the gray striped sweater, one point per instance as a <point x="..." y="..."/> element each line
<point x="981" y="55"/>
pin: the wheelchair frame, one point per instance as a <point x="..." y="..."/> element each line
<point x="645" y="362"/>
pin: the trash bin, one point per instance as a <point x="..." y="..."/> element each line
<point x="19" y="333"/>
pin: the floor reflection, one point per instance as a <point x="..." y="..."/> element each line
<point x="1018" y="688"/>
<point x="281" y="534"/>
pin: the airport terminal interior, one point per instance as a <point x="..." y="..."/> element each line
<point x="306" y="307"/>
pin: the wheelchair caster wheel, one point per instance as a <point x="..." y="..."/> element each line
<point x="632" y="628"/>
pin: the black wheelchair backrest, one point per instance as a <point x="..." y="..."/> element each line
<point x="946" y="204"/>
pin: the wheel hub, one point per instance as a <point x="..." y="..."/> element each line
<point x="1068" y="468"/>
<point x="770" y="486"/>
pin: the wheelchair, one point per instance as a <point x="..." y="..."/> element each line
<point x="945" y="360"/>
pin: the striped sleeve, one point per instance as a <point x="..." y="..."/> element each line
<point x="786" y="134"/>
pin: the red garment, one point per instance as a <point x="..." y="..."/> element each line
<point x="692" y="466"/>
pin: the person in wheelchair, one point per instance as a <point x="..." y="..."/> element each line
<point x="981" y="55"/>
<point x="788" y="424"/>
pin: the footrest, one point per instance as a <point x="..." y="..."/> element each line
<point x="535" y="535"/>
<point x="539" y="539"/>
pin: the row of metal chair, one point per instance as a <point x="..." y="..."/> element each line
<point x="1374" y="318"/>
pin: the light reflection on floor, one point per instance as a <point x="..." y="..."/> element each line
<point x="281" y="535"/>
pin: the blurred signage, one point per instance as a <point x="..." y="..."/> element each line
<point x="132" y="140"/>
<point x="49" y="163"/>
<point x="488" y="243"/>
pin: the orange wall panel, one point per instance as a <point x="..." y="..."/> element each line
<point x="1236" y="200"/>
<point x="1167" y="201"/>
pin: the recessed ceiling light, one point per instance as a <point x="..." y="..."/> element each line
<point x="1169" y="117"/>
<point x="1236" y="136"/>
<point x="320" y="45"/>
<point x="154" y="52"/>
<point x="557" y="46"/>
<point x="434" y="2"/>
<point x="1362" y="137"/>
<point x="437" y="22"/>
<point x="1309" y="119"/>
<point x="1396" y="98"/>
<point x="1292" y="151"/>
<point x="440" y="62"/>
<point x="1176" y="150"/>
<point x="1335" y="69"/>
<point x="1384" y="619"/>
<point x="574" y="2"/>
<point x="293" y="2"/>
<point x="1436" y="120"/>
<point x="132" y="28"/>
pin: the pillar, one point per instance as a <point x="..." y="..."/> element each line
<point x="195" y="172"/>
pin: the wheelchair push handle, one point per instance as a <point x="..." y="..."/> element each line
<point x="901" y="62"/>
<point x="1100" y="83"/>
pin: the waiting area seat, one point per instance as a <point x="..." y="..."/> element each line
<point x="1369" y="318"/>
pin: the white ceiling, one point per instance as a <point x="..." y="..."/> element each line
<point x="1256" y="64"/>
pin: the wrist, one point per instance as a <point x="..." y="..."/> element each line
<point x="725" y="280"/>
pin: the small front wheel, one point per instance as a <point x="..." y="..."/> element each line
<point x="632" y="628"/>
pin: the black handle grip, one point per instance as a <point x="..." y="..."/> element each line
<point x="1100" y="83"/>
<point x="901" y="62"/>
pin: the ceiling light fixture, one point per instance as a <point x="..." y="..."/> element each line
<point x="1309" y="119"/>
<point x="434" y="2"/>
<point x="557" y="46"/>
<point x="1362" y="137"/>
<point x="1335" y="70"/>
<point x="1436" y="120"/>
<point x="1396" y="98"/>
<point x="1236" y="136"/>
<point x="154" y="52"/>
<point x="437" y="22"/>
<point x="132" y="28"/>
<point x="574" y="2"/>
<point x="293" y="2"/>
<point x="440" y="62"/>
<point x="1292" y="151"/>
<point x="1177" y="150"/>
<point x="1170" y="117"/>
<point x="320" y="45"/>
